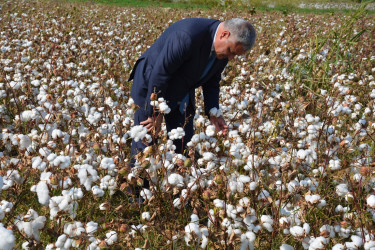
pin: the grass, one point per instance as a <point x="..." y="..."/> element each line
<point x="283" y="6"/>
<point x="140" y="3"/>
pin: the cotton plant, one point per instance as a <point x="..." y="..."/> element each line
<point x="12" y="177"/>
<point x="108" y="182"/>
<point x="194" y="233"/>
<point x="87" y="175"/>
<point x="5" y="207"/>
<point x="31" y="224"/>
<point x="8" y="241"/>
<point x="67" y="202"/>
<point x="161" y="105"/>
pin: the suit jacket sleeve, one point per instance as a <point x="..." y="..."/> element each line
<point x="174" y="53"/>
<point x="211" y="93"/>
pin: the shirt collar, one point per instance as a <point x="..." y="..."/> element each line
<point x="213" y="42"/>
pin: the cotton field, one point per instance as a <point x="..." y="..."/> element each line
<point x="295" y="171"/>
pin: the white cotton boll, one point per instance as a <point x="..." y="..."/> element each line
<point x="193" y="228"/>
<point x="97" y="191"/>
<point x="204" y="241"/>
<point x="297" y="231"/>
<point x="312" y="199"/>
<point x="208" y="156"/>
<point x="164" y="108"/>
<point x="339" y="209"/>
<point x="6" y="206"/>
<point x="111" y="237"/>
<point x="318" y="243"/>
<point x="74" y="229"/>
<point x="244" y="179"/>
<point x="233" y="186"/>
<point x="253" y="185"/>
<point x="91" y="228"/>
<point x="244" y="242"/>
<point x="286" y="247"/>
<point x="306" y="228"/>
<point x="194" y="218"/>
<point x="334" y="164"/>
<point x="177" y="203"/>
<point x="26" y="115"/>
<point x="322" y="203"/>
<point x="253" y="161"/>
<point x="266" y="219"/>
<point x="264" y="194"/>
<point x="27" y="245"/>
<point x="46" y="153"/>
<point x="350" y="245"/>
<point x="301" y="154"/>
<point x="257" y="228"/>
<point x="239" y="209"/>
<point x="357" y="241"/>
<point x="24" y="142"/>
<point x="43" y="193"/>
<point x="60" y="241"/>
<point x="104" y="206"/>
<point x="35" y="83"/>
<point x="210" y="166"/>
<point x="12" y="177"/>
<point x="240" y="187"/>
<point x="370" y="245"/>
<point x="131" y="176"/>
<point x="87" y="175"/>
<point x="61" y="161"/>
<point x="342" y="189"/>
<point x="219" y="203"/>
<point x="148" y="138"/>
<point x="7" y="238"/>
<point x="371" y="201"/>
<point x="210" y="130"/>
<point x="37" y="163"/>
<point x="250" y="236"/>
<point x="268" y="227"/>
<point x="215" y="112"/>
<point x="138" y="132"/>
<point x="145" y="216"/>
<point x="146" y="194"/>
<point x="338" y="247"/>
<point x="243" y="104"/>
<point x="176" y="180"/>
<point x="57" y="133"/>
<point x="177" y="133"/>
<point x="245" y="201"/>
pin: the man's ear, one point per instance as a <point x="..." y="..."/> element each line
<point x="225" y="34"/>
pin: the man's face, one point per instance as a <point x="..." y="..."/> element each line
<point x="226" y="48"/>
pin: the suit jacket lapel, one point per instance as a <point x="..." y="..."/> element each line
<point x="205" y="53"/>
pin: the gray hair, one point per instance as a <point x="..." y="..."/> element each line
<point x="243" y="32"/>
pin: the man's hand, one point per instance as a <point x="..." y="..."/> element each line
<point x="219" y="124"/>
<point x="152" y="124"/>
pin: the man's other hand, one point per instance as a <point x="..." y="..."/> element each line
<point x="219" y="124"/>
<point x="153" y="124"/>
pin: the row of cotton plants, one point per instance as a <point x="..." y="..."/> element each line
<point x="296" y="169"/>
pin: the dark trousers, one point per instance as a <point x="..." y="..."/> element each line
<point x="172" y="120"/>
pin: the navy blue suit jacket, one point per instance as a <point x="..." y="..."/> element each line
<point x="173" y="65"/>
